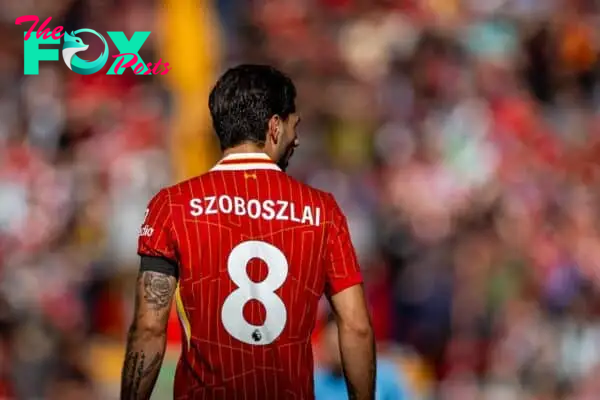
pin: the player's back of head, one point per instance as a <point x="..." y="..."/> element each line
<point x="245" y="99"/>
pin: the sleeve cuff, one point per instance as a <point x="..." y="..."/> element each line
<point x="342" y="284"/>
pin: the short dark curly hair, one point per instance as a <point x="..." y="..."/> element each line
<point x="245" y="98"/>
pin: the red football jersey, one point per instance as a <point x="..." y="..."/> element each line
<point x="256" y="250"/>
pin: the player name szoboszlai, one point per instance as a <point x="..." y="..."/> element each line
<point x="268" y="210"/>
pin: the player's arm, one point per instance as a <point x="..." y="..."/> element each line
<point x="357" y="344"/>
<point x="155" y="288"/>
<point x="146" y="341"/>
<point x="347" y="297"/>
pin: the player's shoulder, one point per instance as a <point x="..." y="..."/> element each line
<point x="185" y="189"/>
<point x="325" y="197"/>
<point x="193" y="187"/>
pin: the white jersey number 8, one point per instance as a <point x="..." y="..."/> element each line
<point x="232" y="313"/>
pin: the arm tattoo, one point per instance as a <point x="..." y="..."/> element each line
<point x="158" y="289"/>
<point x="146" y="340"/>
<point x="137" y="374"/>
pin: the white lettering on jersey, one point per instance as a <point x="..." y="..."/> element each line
<point x="279" y="210"/>
<point x="225" y="204"/>
<point x="307" y="216"/>
<point x="240" y="208"/>
<point x="146" y="231"/>
<point x="293" y="214"/>
<point x="196" y="205"/>
<point x="269" y="212"/>
<point x="210" y="207"/>
<point x="281" y="215"/>
<point x="253" y="209"/>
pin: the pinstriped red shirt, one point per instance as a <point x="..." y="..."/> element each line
<point x="256" y="250"/>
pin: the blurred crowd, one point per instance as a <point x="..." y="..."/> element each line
<point x="79" y="158"/>
<point x="461" y="138"/>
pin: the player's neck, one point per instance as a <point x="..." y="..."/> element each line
<point x="245" y="148"/>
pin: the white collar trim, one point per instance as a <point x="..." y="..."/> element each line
<point x="241" y="166"/>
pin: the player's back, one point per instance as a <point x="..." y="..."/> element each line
<point x="254" y="257"/>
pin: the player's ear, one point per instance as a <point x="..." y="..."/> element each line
<point x="275" y="129"/>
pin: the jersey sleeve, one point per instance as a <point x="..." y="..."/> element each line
<point x="156" y="237"/>
<point x="342" y="266"/>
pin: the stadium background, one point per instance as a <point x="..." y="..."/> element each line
<point x="460" y="137"/>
